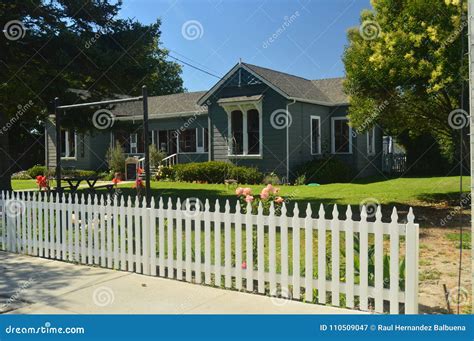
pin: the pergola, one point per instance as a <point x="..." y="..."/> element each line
<point x="57" y="112"/>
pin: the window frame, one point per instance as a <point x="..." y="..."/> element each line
<point x="318" y="118"/>
<point x="67" y="147"/>
<point x="371" y="152"/>
<point x="333" y="135"/>
<point x="178" y="150"/>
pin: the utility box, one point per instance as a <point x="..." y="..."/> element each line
<point x="131" y="165"/>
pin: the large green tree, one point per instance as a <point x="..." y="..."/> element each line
<point x="50" y="47"/>
<point x="404" y="71"/>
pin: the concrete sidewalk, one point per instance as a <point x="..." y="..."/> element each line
<point x="31" y="285"/>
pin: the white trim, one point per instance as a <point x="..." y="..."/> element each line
<point x="133" y="144"/>
<point x="328" y="104"/>
<point x="67" y="147"/>
<point x="333" y="148"/>
<point x="161" y="116"/>
<point x="371" y="152"/>
<point x="318" y="118"/>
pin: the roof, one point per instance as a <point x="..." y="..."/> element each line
<point x="166" y="105"/>
<point x="240" y="99"/>
<point x="333" y="89"/>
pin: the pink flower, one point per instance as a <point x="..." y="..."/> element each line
<point x="244" y="265"/>
<point x="239" y="191"/>
<point x="249" y="198"/>
<point x="246" y="191"/>
<point x="279" y="200"/>
<point x="272" y="189"/>
<point x="276" y="190"/>
<point x="264" y="194"/>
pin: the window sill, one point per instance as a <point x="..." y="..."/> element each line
<point x="67" y="158"/>
<point x="341" y="153"/>
<point x="244" y="156"/>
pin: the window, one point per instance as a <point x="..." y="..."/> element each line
<point x="371" y="141"/>
<point x="206" y="139"/>
<point x="253" y="132"/>
<point x="341" y="136"/>
<point x="68" y="143"/>
<point x="187" y="141"/>
<point x="237" y="132"/>
<point x="315" y="135"/>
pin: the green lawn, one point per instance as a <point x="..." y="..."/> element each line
<point x="401" y="191"/>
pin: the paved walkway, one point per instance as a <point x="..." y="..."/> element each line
<point x="31" y="285"/>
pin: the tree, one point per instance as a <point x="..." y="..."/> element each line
<point x="404" y="71"/>
<point x="51" y="47"/>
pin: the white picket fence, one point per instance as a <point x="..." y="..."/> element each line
<point x="334" y="261"/>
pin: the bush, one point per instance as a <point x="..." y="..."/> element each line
<point x="214" y="172"/>
<point x="325" y="171"/>
<point x="34" y="171"/>
<point x="271" y="179"/>
<point x="155" y="156"/>
<point x="23" y="175"/>
<point x="116" y="159"/>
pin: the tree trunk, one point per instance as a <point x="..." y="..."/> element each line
<point x="5" y="159"/>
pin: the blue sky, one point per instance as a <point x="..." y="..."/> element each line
<point x="308" y="36"/>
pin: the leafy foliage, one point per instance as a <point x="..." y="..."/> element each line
<point x="116" y="159"/>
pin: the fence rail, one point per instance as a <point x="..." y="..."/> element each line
<point x="369" y="265"/>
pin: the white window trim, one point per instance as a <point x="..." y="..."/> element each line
<point x="333" y="139"/>
<point x="244" y="108"/>
<point x="314" y="117"/>
<point x="371" y="152"/>
<point x="67" y="147"/>
<point x="134" y="144"/>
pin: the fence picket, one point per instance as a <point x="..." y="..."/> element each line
<point x="161" y="237"/>
<point x="46" y="211"/>
<point x="335" y="252"/>
<point x="207" y="243"/>
<point x="64" y="216"/>
<point x="123" y="230"/>
<point x="227" y="246"/>
<point x="260" y="249"/>
<point x="77" y="227"/>
<point x="217" y="243"/>
<point x="379" y="280"/>
<point x="170" y="255"/>
<point x="103" y="232"/>
<point x="145" y="215"/>
<point x="138" y="237"/>
<point x="308" y="273"/>
<point x="90" y="231"/>
<point x="249" y="247"/>
<point x="83" y="242"/>
<point x="179" y="240"/>
<point x="40" y="227"/>
<point x="364" y="261"/>
<point x="110" y="228"/>
<point x="96" y="226"/>
<point x="52" y="226"/>
<point x="271" y="250"/>
<point x="188" y="241"/>
<point x="349" y="239"/>
<point x="238" y="246"/>
<point x="394" y="261"/>
<point x="197" y="242"/>
<point x="130" y="235"/>
<point x="296" y="252"/>
<point x="26" y="237"/>
<point x="321" y="256"/>
<point x="116" y="237"/>
<point x="70" y="225"/>
<point x="153" y="237"/>
<point x="411" y="257"/>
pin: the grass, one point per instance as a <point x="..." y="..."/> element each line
<point x="400" y="191"/>
<point x="466" y="239"/>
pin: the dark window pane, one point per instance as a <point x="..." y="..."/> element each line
<point x="315" y="136"/>
<point x="206" y="140"/>
<point x="341" y="136"/>
<point x="253" y="131"/>
<point x="163" y="140"/>
<point x="237" y="133"/>
<point x="187" y="141"/>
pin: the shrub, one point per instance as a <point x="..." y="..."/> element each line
<point x="300" y="180"/>
<point x="167" y="173"/>
<point x="214" y="172"/>
<point x="34" y="171"/>
<point x="116" y="159"/>
<point x="271" y="179"/>
<point x="325" y="171"/>
<point x="155" y="156"/>
<point x="23" y="175"/>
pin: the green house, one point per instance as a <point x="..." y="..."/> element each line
<point x="253" y="116"/>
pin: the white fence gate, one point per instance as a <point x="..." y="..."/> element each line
<point x="355" y="264"/>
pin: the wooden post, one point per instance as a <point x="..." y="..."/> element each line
<point x="57" y="115"/>
<point x="147" y="150"/>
